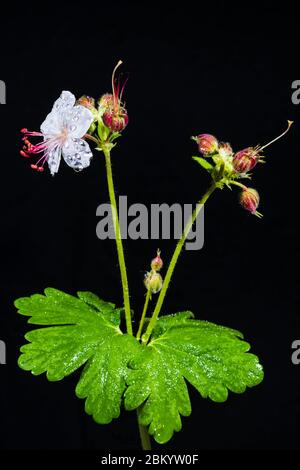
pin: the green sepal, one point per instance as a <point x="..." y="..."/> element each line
<point x="103" y="131"/>
<point x="114" y="136"/>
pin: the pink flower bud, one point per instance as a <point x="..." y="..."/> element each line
<point x="207" y="144"/>
<point x="116" y="119"/>
<point x="115" y="116"/>
<point x="249" y="199"/>
<point x="157" y="263"/>
<point x="245" y="160"/>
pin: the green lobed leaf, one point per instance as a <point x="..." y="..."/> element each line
<point x="83" y="330"/>
<point x="204" y="163"/>
<point x="214" y="359"/>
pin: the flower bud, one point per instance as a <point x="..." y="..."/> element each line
<point x="89" y="103"/>
<point x="249" y="199"/>
<point x="115" y="119"/>
<point x="106" y="101"/>
<point x="225" y="150"/>
<point x="157" y="263"/>
<point x="207" y="144"/>
<point x="115" y="116"/>
<point x="86" y="101"/>
<point x="245" y="160"/>
<point x="153" y="281"/>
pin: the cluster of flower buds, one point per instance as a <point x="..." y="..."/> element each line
<point x="242" y="161"/>
<point x="111" y="110"/>
<point x="153" y="280"/>
<point x="234" y="166"/>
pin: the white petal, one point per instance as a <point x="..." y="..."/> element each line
<point x="77" y="153"/>
<point x="64" y="102"/>
<point x="78" y="120"/>
<point x="54" y="122"/>
<point x="52" y="125"/>
<point x="53" y="160"/>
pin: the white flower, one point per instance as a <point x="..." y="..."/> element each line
<point x="62" y="133"/>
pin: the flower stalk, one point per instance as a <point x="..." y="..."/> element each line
<point x="148" y="298"/>
<point x="174" y="260"/>
<point x="118" y="236"/>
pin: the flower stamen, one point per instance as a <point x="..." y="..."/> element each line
<point x="45" y="147"/>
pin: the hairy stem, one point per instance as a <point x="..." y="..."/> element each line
<point x="145" y="438"/>
<point x="119" y="243"/>
<point x="240" y="185"/>
<point x="173" y="262"/>
<point x="148" y="297"/>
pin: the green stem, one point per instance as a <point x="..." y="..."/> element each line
<point x="144" y="435"/>
<point x="173" y="262"/>
<point x="240" y="185"/>
<point x="148" y="297"/>
<point x="119" y="243"/>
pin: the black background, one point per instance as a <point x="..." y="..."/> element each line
<point x="223" y="69"/>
